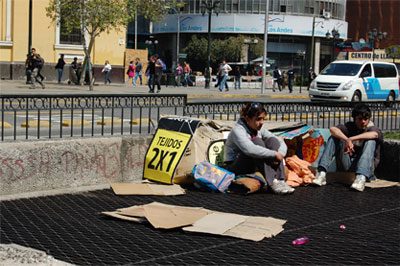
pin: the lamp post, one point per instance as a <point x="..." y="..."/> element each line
<point x="250" y="42"/>
<point x="209" y="6"/>
<point x="152" y="42"/>
<point x="375" y="35"/>
<point x="301" y="54"/>
<point x="314" y="24"/>
<point x="335" y="35"/>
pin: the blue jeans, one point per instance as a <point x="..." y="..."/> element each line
<point x="107" y="77"/>
<point x="223" y="82"/>
<point x="138" y="75"/>
<point x="59" y="74"/>
<point x="237" y="82"/>
<point x="333" y="158"/>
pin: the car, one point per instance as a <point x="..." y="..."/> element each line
<point x="356" y="81"/>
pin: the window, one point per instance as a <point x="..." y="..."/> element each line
<point x="384" y="71"/>
<point x="366" y="72"/>
<point x="74" y="37"/>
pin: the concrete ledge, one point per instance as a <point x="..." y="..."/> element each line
<point x="33" y="168"/>
<point x="70" y="163"/>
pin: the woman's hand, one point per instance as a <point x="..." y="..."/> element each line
<point x="278" y="156"/>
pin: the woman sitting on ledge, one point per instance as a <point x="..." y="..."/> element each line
<point x="251" y="148"/>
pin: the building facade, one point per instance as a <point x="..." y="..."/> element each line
<point x="24" y="24"/>
<point x="291" y="27"/>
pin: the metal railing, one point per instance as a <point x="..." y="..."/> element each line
<point x="55" y="116"/>
<point x="52" y="116"/>
<point x="318" y="114"/>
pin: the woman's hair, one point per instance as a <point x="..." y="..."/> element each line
<point x="252" y="109"/>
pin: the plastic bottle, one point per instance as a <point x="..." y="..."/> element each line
<point x="300" y="241"/>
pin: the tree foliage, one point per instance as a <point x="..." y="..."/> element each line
<point x="229" y="49"/>
<point x="95" y="17"/>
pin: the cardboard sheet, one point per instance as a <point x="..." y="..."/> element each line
<point x="197" y="219"/>
<point x="147" y="189"/>
<point x="118" y="215"/>
<point x="172" y="217"/>
<point x="379" y="183"/>
<point x="216" y="223"/>
<point x="239" y="226"/>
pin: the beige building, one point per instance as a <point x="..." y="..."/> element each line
<point x="50" y="41"/>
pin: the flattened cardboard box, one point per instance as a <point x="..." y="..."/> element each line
<point x="195" y="219"/>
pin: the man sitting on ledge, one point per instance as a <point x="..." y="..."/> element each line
<point x="355" y="146"/>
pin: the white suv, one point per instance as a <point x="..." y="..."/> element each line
<point x="356" y="81"/>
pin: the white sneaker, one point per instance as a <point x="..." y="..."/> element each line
<point x="280" y="187"/>
<point x="359" y="183"/>
<point x="320" y="179"/>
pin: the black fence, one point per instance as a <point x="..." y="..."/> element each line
<point x="55" y="116"/>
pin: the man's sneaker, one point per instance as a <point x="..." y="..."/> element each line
<point x="280" y="187"/>
<point x="359" y="183"/>
<point x="320" y="179"/>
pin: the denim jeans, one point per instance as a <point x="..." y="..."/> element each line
<point x="333" y="158"/>
<point x="223" y="82"/>
<point x="237" y="82"/>
<point x="150" y="82"/>
<point x="107" y="77"/>
<point x="138" y="75"/>
<point x="59" y="74"/>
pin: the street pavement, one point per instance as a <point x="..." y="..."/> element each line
<point x="18" y="87"/>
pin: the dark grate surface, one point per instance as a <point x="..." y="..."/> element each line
<point x="69" y="228"/>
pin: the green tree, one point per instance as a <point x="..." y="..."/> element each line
<point x="393" y="51"/>
<point x="95" y="17"/>
<point x="229" y="49"/>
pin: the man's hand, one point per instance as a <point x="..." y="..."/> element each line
<point x="349" y="148"/>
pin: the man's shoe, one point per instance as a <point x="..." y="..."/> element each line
<point x="359" y="183"/>
<point x="320" y="179"/>
<point x="151" y="91"/>
<point x="280" y="187"/>
<point x="158" y="91"/>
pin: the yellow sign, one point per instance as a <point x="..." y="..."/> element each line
<point x="164" y="154"/>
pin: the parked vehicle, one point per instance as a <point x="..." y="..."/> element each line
<point x="356" y="81"/>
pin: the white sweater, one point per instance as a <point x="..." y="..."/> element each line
<point x="239" y="141"/>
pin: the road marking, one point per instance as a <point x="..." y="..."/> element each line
<point x="36" y="123"/>
<point x="5" y="124"/>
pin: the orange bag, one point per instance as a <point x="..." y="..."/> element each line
<point x="299" y="171"/>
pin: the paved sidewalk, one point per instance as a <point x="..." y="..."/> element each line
<point x="20" y="88"/>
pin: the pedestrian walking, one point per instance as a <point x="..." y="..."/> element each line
<point x="159" y="67"/>
<point x="131" y="73"/>
<point x="35" y="77"/>
<point x="28" y="69"/>
<point x="178" y="75"/>
<point x="311" y="77"/>
<point x="187" y="71"/>
<point x="150" y="70"/>
<point x="290" y="75"/>
<point x="60" y="68"/>
<point x="238" y="78"/>
<point x="138" y="71"/>
<point x="107" y="71"/>
<point x="225" y="75"/>
<point x="277" y="77"/>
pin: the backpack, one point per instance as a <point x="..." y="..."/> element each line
<point x="40" y="62"/>
<point x="163" y="66"/>
<point x="212" y="177"/>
